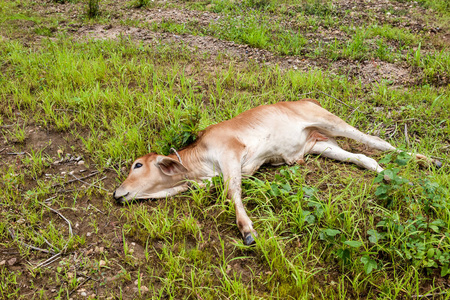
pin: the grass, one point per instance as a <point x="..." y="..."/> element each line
<point x="379" y="40"/>
<point x="326" y="229"/>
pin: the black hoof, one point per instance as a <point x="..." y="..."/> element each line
<point x="248" y="239"/>
<point x="438" y="163"/>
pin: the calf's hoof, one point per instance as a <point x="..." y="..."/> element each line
<point x="438" y="163"/>
<point x="249" y="238"/>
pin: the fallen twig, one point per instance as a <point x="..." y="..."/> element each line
<point x="16" y="153"/>
<point x="395" y="130"/>
<point x="353" y="111"/>
<point x="86" y="280"/>
<point x="91" y="184"/>
<point x="59" y="214"/>
<point x="64" y="218"/>
<point x="72" y="110"/>
<point x="48" y="261"/>
<point x="2" y="150"/>
<point x="48" y="243"/>
<point x="73" y="180"/>
<point x="90" y="205"/>
<point x="13" y="236"/>
<point x="342" y="102"/>
<point x="304" y="94"/>
<point x="429" y="295"/>
<point x="47" y="201"/>
<point x="86" y="276"/>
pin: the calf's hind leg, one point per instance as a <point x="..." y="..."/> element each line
<point x="346" y="130"/>
<point x="332" y="150"/>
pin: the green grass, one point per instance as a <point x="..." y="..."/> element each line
<point x="287" y="36"/>
<point x="326" y="230"/>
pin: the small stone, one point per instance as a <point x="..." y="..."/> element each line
<point x="88" y="233"/>
<point x="102" y="263"/>
<point x="83" y="294"/>
<point x="12" y="261"/>
<point x="81" y="162"/>
<point x="71" y="172"/>
<point x="144" y="289"/>
<point x="133" y="244"/>
<point x="63" y="173"/>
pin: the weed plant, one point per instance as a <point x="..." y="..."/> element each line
<point x="93" y="8"/>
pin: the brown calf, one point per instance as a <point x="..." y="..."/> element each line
<point x="275" y="134"/>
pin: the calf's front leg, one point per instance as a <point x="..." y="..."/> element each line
<point x="232" y="179"/>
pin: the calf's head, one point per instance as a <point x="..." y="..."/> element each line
<point x="151" y="177"/>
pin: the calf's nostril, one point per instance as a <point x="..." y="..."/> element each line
<point x="120" y="198"/>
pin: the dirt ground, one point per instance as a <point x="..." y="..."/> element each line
<point x="407" y="15"/>
<point x="77" y="170"/>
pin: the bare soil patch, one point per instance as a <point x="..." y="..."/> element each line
<point x="366" y="71"/>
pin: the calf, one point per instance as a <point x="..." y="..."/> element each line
<point x="274" y="134"/>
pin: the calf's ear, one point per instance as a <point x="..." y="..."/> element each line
<point x="169" y="166"/>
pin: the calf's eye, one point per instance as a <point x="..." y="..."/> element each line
<point x="138" y="165"/>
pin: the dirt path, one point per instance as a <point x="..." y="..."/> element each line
<point x="405" y="15"/>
